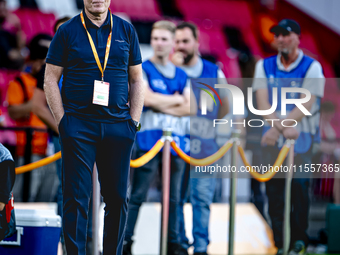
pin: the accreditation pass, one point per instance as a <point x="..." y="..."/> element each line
<point x="101" y="93"/>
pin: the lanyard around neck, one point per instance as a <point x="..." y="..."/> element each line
<point x="108" y="45"/>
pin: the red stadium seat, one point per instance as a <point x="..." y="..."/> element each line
<point x="230" y="66"/>
<point x="5" y="77"/>
<point x="137" y="9"/>
<point x="212" y="41"/>
<point x="307" y="42"/>
<point x="252" y="43"/>
<point x="34" y="22"/>
<point x="231" y="13"/>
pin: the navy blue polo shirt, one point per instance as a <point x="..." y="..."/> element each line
<point x="71" y="49"/>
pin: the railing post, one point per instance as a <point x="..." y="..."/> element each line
<point x="232" y="199"/>
<point x="95" y="211"/>
<point x="288" y="190"/>
<point x="165" y="190"/>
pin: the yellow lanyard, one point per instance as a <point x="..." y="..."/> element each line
<point x="108" y="45"/>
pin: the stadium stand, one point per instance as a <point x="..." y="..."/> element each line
<point x="138" y="9"/>
<point x="33" y="22"/>
<point x="215" y="19"/>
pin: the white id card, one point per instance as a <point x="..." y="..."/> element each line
<point x="101" y="93"/>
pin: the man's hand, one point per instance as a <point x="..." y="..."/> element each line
<point x="60" y="120"/>
<point x="290" y="133"/>
<point x="2" y="206"/>
<point x="178" y="98"/>
<point x="40" y="109"/>
<point x="177" y="58"/>
<point x="270" y="137"/>
<point x="20" y="111"/>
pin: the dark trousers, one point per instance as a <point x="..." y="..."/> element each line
<point x="142" y="179"/>
<point x="59" y="196"/>
<point x="109" y="145"/>
<point x="275" y="190"/>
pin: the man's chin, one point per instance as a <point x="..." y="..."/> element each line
<point x="98" y="8"/>
<point x="284" y="51"/>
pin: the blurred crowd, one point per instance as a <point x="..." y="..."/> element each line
<point x="36" y="136"/>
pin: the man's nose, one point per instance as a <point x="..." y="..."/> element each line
<point x="180" y="46"/>
<point x="279" y="37"/>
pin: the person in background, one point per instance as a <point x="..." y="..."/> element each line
<point x="328" y="153"/>
<point x="19" y="97"/>
<point x="12" y="39"/>
<point x="289" y="68"/>
<point x="167" y="97"/>
<point x="203" y="139"/>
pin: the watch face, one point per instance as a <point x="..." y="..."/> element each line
<point x="137" y="124"/>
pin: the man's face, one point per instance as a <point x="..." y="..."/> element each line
<point x="162" y="42"/>
<point x="186" y="43"/>
<point x="286" y="42"/>
<point x="96" y="6"/>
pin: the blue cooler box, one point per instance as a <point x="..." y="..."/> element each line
<point x="38" y="233"/>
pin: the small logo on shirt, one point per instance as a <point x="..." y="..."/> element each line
<point x="119" y="41"/>
<point x="158" y="83"/>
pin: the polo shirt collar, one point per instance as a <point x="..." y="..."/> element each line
<point x="292" y="65"/>
<point x="89" y="23"/>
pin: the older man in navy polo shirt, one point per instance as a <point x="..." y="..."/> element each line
<point x="97" y="115"/>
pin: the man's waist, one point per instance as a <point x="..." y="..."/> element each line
<point x="100" y="116"/>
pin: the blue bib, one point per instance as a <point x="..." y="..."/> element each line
<point x="153" y="122"/>
<point x="294" y="78"/>
<point x="203" y="143"/>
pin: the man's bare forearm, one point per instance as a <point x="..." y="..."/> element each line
<point x="137" y="100"/>
<point x="263" y="104"/>
<point x="20" y="110"/>
<point x="136" y="91"/>
<point x="52" y="77"/>
<point x="44" y="114"/>
<point x="160" y="101"/>
<point x="40" y="109"/>
<point x="296" y="113"/>
<point x="185" y="108"/>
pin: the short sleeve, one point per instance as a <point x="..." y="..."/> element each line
<point x="222" y="79"/>
<point x="15" y="94"/>
<point x="57" y="53"/>
<point x="145" y="78"/>
<point x="314" y="80"/>
<point x="260" y="78"/>
<point x="187" y="84"/>
<point x="135" y="57"/>
<point x="182" y="76"/>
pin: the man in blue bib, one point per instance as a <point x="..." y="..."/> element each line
<point x="202" y="133"/>
<point x="290" y="68"/>
<point x="166" y="100"/>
